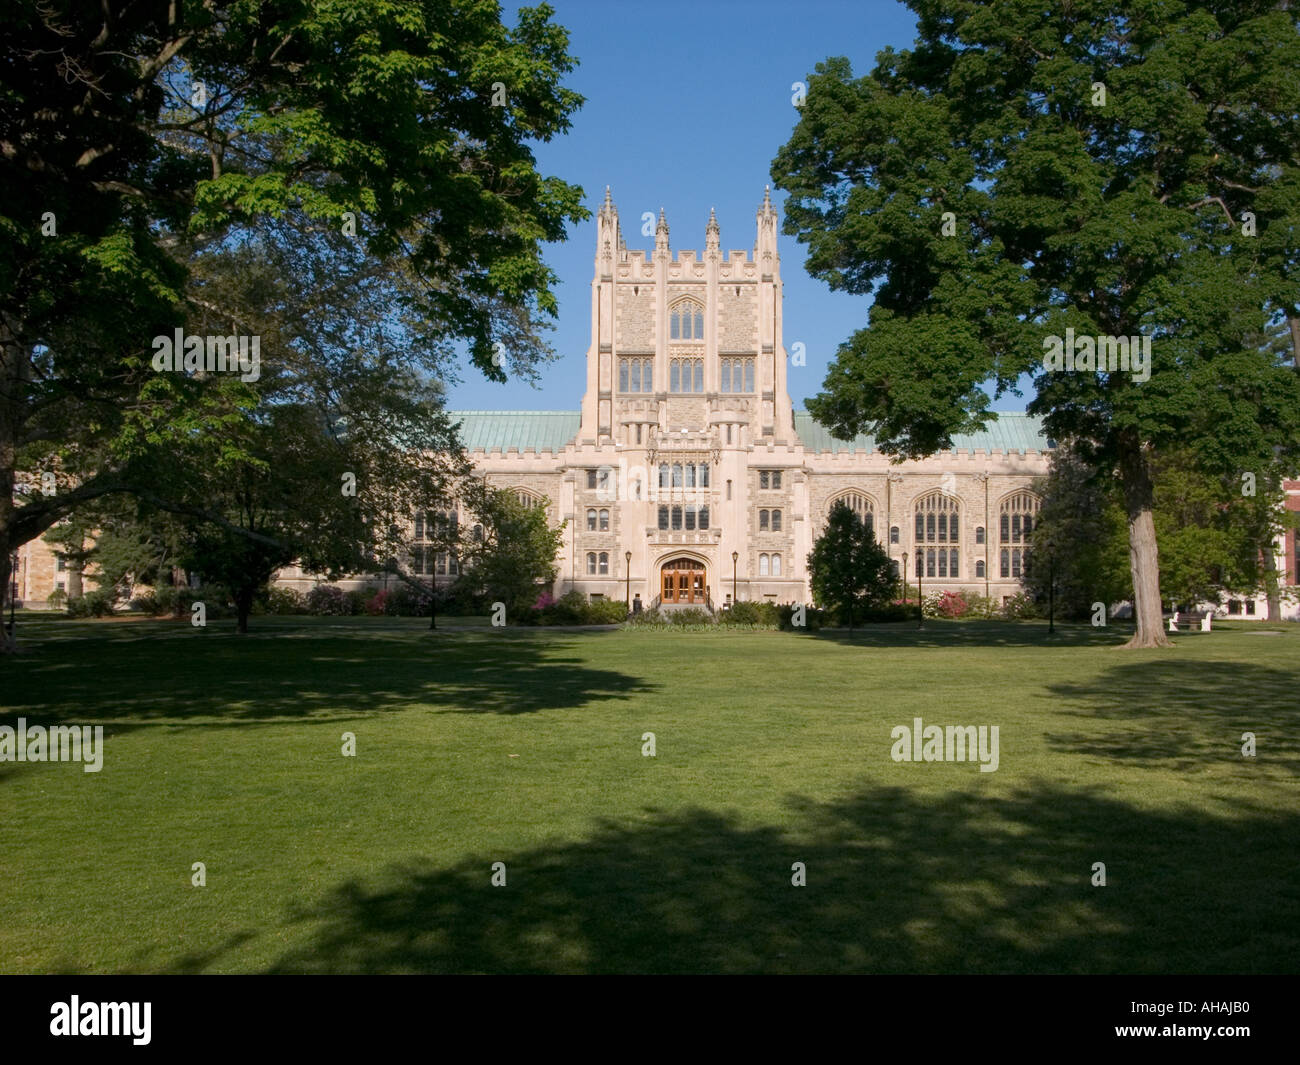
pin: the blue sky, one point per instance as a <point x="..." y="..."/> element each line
<point x="687" y="103"/>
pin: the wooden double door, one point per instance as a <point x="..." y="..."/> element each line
<point x="682" y="581"/>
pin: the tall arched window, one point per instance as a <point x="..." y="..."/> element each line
<point x="604" y="563"/>
<point x="776" y="565"/>
<point x="604" y="521"/>
<point x="591" y="519"/>
<point x="762" y="565"/>
<point x="687" y="320"/>
<point x="591" y="563"/>
<point x="938" y="521"/>
<point x="862" y="505"/>
<point x="1016" y="514"/>
<point x="979" y="568"/>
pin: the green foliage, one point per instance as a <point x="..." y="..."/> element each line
<point x="57" y="599"/>
<point x="572" y="608"/>
<point x="813" y="618"/>
<point x="761" y="614"/>
<point x="690" y="616"/>
<point x="328" y="600"/>
<point x="975" y="187"/>
<point x="369" y="115"/>
<point x="1021" y="606"/>
<point x="285" y="601"/>
<point x="516" y="556"/>
<point x="94" y="604"/>
<point x="849" y="572"/>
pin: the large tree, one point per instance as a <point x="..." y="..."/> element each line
<point x="130" y="133"/>
<point x="515" y="558"/>
<point x="1111" y="167"/>
<point x="848" y="570"/>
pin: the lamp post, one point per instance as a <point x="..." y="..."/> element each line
<point x="735" y="557"/>
<point x="1051" y="591"/>
<point x="627" y="572"/>
<point x="905" y="581"/>
<point x="920" y="600"/>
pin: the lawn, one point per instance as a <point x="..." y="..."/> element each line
<point x="477" y="745"/>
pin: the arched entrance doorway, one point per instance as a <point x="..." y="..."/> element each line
<point x="682" y="581"/>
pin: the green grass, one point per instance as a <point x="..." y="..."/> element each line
<point x="479" y="745"/>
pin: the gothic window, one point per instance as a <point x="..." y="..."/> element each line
<point x="704" y="517"/>
<point x="737" y="375"/>
<point x="478" y="534"/>
<point x="703" y="478"/>
<point x="776" y="565"/>
<point x="677" y="475"/>
<point x="763" y="520"/>
<point x="663" y="518"/>
<point x="690" y="518"/>
<point x="762" y="565"/>
<point x="979" y="568"/>
<point x="591" y="519"/>
<point x="690" y="475"/>
<point x="893" y="534"/>
<point x="979" y="534"/>
<point x="776" y="521"/>
<point x="677" y="519"/>
<point x="686" y="375"/>
<point x="687" y="321"/>
<point x="604" y="521"/>
<point x="663" y="475"/>
<point x="591" y="479"/>
<point x="636" y="375"/>
<point x="1016" y="518"/>
<point x="862" y="505"/>
<point x="604" y="563"/>
<point x="937" y="519"/>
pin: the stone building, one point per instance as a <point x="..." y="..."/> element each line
<point x="687" y="476"/>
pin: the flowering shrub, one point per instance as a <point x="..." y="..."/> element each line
<point x="377" y="604"/>
<point x="949" y="605"/>
<point x="327" y="600"/>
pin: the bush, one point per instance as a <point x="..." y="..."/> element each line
<point x="691" y="615"/>
<point x="377" y="604"/>
<point x="1020" y="606"/>
<point x="57" y="599"/>
<point x="947" y="605"/>
<point x="606" y="612"/>
<point x="285" y="601"/>
<point x="326" y="600"/>
<point x="651" y="618"/>
<point x="813" y="619"/>
<point x="145" y="604"/>
<point x="94" y="604"/>
<point x="763" y="614"/>
<point x="883" y="614"/>
<point x="406" y="601"/>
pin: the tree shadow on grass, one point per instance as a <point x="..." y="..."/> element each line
<point x="942" y="633"/>
<point x="1185" y="715"/>
<point x="322" y="676"/>
<point x="895" y="884"/>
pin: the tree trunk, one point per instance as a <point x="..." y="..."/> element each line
<point x="1144" y="563"/>
<point x="1271" y="587"/>
<point x="8" y="641"/>
<point x="74" y="579"/>
<point x="243" y="607"/>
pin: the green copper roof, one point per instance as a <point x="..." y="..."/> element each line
<point x="552" y="430"/>
<point x="1011" y="432"/>
<point x="500" y="430"/>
